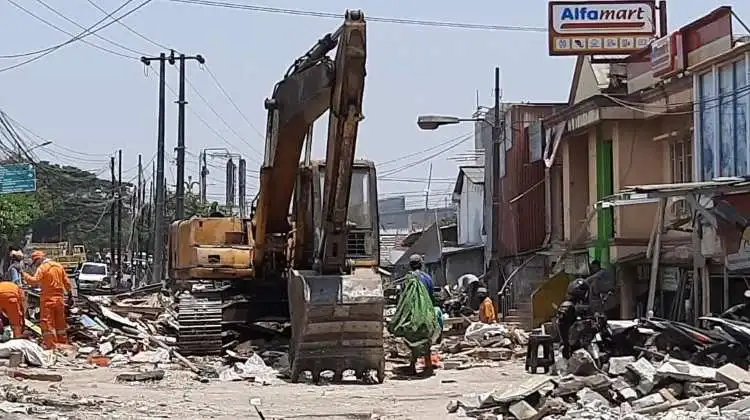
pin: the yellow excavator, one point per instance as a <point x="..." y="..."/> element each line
<point x="315" y="266"/>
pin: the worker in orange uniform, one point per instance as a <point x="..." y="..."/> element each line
<point x="487" y="312"/>
<point x="13" y="304"/>
<point x="55" y="285"/>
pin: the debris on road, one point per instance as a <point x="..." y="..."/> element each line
<point x="630" y="388"/>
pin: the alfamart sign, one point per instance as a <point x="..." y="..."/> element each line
<point x="600" y="27"/>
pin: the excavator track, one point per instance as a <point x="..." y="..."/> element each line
<point x="199" y="317"/>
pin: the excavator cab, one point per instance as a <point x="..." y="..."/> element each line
<point x="362" y="223"/>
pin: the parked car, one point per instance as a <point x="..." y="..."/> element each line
<point x="93" y="276"/>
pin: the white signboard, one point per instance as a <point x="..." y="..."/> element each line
<point x="591" y="27"/>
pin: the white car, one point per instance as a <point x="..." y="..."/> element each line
<point x="93" y="276"/>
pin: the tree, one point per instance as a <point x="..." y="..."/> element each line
<point x="76" y="206"/>
<point x="17" y="213"/>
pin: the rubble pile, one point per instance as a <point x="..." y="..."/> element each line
<point x="483" y="342"/>
<point x="630" y="388"/>
<point x="136" y="330"/>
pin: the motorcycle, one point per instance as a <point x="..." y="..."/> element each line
<point x="693" y="344"/>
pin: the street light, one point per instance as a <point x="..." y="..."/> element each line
<point x="46" y="143"/>
<point x="432" y="122"/>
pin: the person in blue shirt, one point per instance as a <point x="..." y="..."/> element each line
<point x="15" y="269"/>
<point x="416" y="264"/>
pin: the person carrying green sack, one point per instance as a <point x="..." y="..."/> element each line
<point x="416" y="320"/>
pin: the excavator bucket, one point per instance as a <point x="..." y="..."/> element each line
<point x="337" y="324"/>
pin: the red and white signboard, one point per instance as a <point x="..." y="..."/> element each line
<point x="667" y="56"/>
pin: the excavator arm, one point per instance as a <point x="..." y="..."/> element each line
<point x="313" y="84"/>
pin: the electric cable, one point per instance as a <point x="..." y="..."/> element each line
<point x="327" y="15"/>
<point x="115" y="43"/>
<point x="90" y="31"/>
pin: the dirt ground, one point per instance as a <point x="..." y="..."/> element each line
<point x="179" y="395"/>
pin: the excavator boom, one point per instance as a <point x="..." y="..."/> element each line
<point x="313" y="84"/>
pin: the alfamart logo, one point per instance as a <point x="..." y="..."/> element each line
<point x="596" y="17"/>
<point x="625" y="17"/>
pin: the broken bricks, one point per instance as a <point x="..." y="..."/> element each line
<point x="667" y="390"/>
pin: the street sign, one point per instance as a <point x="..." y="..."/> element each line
<point x="17" y="178"/>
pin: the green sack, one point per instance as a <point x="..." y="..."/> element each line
<point x="415" y="319"/>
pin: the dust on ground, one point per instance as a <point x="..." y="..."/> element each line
<point x="180" y="395"/>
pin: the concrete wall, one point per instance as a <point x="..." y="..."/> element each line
<point x="637" y="160"/>
<point x="460" y="263"/>
<point x="575" y="183"/>
<point x="470" y="213"/>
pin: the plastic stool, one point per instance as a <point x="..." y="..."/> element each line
<point x="533" y="361"/>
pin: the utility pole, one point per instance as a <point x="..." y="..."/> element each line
<point x="497" y="184"/>
<point x="427" y="199"/>
<point x="181" y="102"/>
<point x="158" y="249"/>
<point x="112" y="214"/>
<point x="230" y="185"/>
<point x="135" y="248"/>
<point x="119" y="217"/>
<point x="204" y="175"/>
<point x="241" y="185"/>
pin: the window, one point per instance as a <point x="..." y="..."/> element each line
<point x="99" y="270"/>
<point x="722" y="135"/>
<point x="681" y="162"/>
<point x="681" y="158"/>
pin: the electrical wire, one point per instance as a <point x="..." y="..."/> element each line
<point x="437" y="146"/>
<point x="115" y="43"/>
<point x="231" y="101"/>
<point x="90" y="31"/>
<point x="427" y="158"/>
<point x="224" y="121"/>
<point x="130" y="29"/>
<point x="327" y="15"/>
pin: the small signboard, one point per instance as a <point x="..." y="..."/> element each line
<point x="667" y="56"/>
<point x="600" y="27"/>
<point x="17" y="178"/>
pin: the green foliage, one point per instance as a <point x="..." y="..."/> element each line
<point x="17" y="213"/>
<point x="76" y="206"/>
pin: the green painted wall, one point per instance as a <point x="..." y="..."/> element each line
<point x="604" y="188"/>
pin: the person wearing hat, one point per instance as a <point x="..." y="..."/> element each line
<point x="55" y="285"/>
<point x="416" y="264"/>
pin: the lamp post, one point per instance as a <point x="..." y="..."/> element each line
<point x="433" y="122"/>
<point x="40" y="145"/>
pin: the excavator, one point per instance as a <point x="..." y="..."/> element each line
<point x="309" y="252"/>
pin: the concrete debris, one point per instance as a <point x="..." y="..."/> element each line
<point x="633" y="389"/>
<point x="467" y="345"/>
<point x="137" y="330"/>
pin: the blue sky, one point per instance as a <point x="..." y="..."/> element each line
<point x="90" y="102"/>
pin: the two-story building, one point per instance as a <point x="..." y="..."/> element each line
<point x="631" y="123"/>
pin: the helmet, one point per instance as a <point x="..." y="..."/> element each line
<point x="578" y="289"/>
<point x="36" y="255"/>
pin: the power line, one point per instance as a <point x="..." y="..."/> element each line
<point x="437" y="146"/>
<point x="427" y="158"/>
<point x="131" y="30"/>
<point x="89" y="31"/>
<point x="116" y="44"/>
<point x="328" y="15"/>
<point x="229" y="98"/>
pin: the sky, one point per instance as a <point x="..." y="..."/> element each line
<point x="91" y="102"/>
